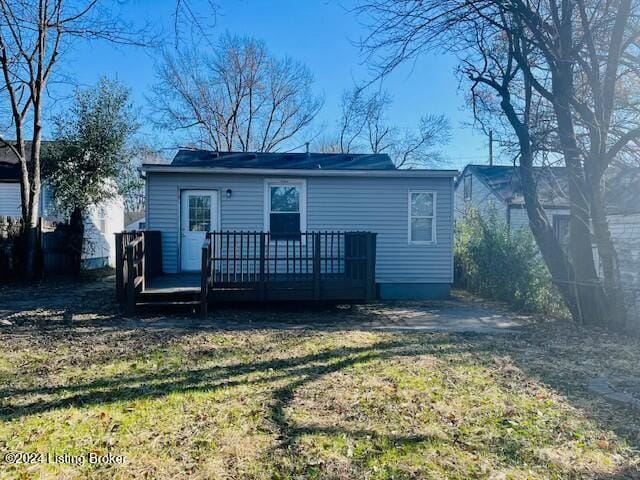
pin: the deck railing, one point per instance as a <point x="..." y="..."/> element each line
<point x="130" y="267"/>
<point x="310" y="260"/>
<point x="138" y="258"/>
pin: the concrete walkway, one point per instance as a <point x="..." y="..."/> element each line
<point x="457" y="315"/>
<point x="92" y="304"/>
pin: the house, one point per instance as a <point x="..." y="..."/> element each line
<point x="288" y="194"/>
<point x="100" y="223"/>
<point x="498" y="187"/>
<point x="135" y="220"/>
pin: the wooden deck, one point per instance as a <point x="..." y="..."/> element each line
<point x="174" y="283"/>
<point x="250" y="266"/>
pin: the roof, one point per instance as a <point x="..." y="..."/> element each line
<point x="9" y="172"/>
<point x="303" y="161"/>
<point x="504" y="182"/>
<point x="290" y="164"/>
<point x="622" y="190"/>
<point x="135" y="216"/>
<point x="9" y="165"/>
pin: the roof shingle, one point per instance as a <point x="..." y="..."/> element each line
<point x="303" y="161"/>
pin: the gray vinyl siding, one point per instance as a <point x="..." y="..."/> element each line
<point x="333" y="203"/>
<point x="519" y="219"/>
<point x="10" y="202"/>
<point x="482" y="199"/>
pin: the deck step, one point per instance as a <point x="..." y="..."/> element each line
<point x="169" y="303"/>
<point x="165" y="296"/>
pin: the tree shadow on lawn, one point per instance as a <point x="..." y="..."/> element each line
<point x="284" y="377"/>
<point x="483" y="348"/>
<point x="565" y="359"/>
<point x="209" y="379"/>
<point x="562" y="359"/>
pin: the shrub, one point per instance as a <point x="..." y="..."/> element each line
<point x="497" y="263"/>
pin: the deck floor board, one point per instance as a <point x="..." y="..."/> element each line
<point x="174" y="283"/>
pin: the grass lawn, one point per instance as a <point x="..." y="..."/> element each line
<point x="350" y="404"/>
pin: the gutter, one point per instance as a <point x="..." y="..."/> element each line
<point x="154" y="168"/>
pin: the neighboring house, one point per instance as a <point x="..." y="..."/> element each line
<point x="135" y="220"/>
<point x="498" y="186"/>
<point x="101" y="221"/>
<point x="287" y="193"/>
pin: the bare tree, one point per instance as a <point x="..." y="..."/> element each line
<point x="569" y="64"/>
<point x="239" y="97"/>
<point x="33" y="36"/>
<point x="364" y="126"/>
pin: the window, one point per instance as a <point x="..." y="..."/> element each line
<point x="102" y="223"/>
<point x="422" y="217"/>
<point x="561" y="229"/>
<point x="199" y="213"/>
<point x="285" y="209"/>
<point x="467" y="184"/>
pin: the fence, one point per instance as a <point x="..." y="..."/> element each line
<point x="11" y="247"/>
<point x="54" y="255"/>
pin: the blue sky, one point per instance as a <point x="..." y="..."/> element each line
<point x="320" y="33"/>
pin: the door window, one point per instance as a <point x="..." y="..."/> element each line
<point x="199" y="213"/>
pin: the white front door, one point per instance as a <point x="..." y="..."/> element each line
<point x="199" y="215"/>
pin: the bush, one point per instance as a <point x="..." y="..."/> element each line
<point x="497" y="263"/>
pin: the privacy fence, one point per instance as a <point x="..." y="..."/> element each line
<point x="54" y="254"/>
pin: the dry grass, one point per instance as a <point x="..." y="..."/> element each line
<point x="346" y="404"/>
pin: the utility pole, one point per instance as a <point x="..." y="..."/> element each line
<point x="490" y="147"/>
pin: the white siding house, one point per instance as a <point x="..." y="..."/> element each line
<point x="101" y="222"/>
<point x="498" y="187"/>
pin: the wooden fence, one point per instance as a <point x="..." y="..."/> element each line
<point x="11" y="247"/>
<point x="54" y="256"/>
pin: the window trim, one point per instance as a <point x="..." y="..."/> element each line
<point x="434" y="230"/>
<point x="555" y="223"/>
<point x="101" y="219"/>
<point x="284" y="182"/>
<point x="468" y="177"/>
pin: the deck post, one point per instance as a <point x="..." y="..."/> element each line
<point x="370" y="266"/>
<point x="316" y="266"/>
<point x="143" y="260"/>
<point x="261" y="285"/>
<point x="204" y="278"/>
<point x="119" y="269"/>
<point x="130" y="307"/>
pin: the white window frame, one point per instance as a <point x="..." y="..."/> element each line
<point x="465" y="179"/>
<point x="433" y="223"/>
<point x="284" y="182"/>
<point x="101" y="218"/>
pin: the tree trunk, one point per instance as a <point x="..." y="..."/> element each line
<point x="554" y="257"/>
<point x="76" y="224"/>
<point x="615" y="301"/>
<point x="590" y="296"/>
<point x="552" y="253"/>
<point x="33" y="210"/>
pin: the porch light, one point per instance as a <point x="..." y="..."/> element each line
<point x="229" y="192"/>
